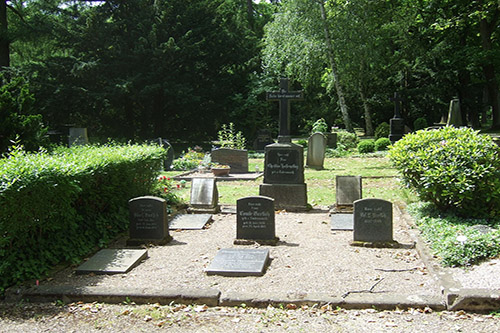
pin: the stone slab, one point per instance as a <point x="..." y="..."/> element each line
<point x="342" y="222"/>
<point x="112" y="261"/>
<point x="189" y="221"/>
<point x="239" y="262"/>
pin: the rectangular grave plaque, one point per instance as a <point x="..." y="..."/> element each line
<point x="112" y="261"/>
<point x="373" y="220"/>
<point x="189" y="221"/>
<point x="148" y="219"/>
<point x="255" y="218"/>
<point x="348" y="190"/>
<point x="341" y="221"/>
<point x="204" y="192"/>
<point x="284" y="164"/>
<point x="239" y="262"/>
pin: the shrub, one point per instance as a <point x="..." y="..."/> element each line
<point x="319" y="126"/>
<point x="189" y="160"/>
<point x="419" y="123"/>
<point x="457" y="169"/>
<point x="382" y="144"/>
<point x="229" y="138"/>
<point x="346" y="139"/>
<point x="382" y="131"/>
<point x="366" y="146"/>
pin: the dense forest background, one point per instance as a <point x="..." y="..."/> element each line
<point x="178" y="69"/>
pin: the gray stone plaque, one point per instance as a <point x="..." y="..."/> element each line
<point x="342" y="221"/>
<point x="349" y="189"/>
<point x="189" y="221"/>
<point x="239" y="262"/>
<point x="372" y="220"/>
<point x="255" y="218"/>
<point x="204" y="193"/>
<point x="112" y="261"/>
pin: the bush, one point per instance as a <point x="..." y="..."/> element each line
<point x="58" y="207"/>
<point x="319" y="126"/>
<point x="346" y="139"/>
<point x="382" y="144"/>
<point x="382" y="131"/>
<point x="455" y="169"/>
<point x="189" y="160"/>
<point x="229" y="138"/>
<point x="366" y="146"/>
<point x="419" y="123"/>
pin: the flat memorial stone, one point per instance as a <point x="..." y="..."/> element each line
<point x="342" y="222"/>
<point x="239" y="262"/>
<point x="189" y="221"/>
<point x="349" y="189"/>
<point x="112" y="261"/>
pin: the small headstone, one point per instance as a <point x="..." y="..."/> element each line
<point x="255" y="219"/>
<point x="148" y="221"/>
<point x="78" y="136"/>
<point x="331" y="140"/>
<point x="397" y="123"/>
<point x="342" y="221"/>
<point x="373" y="220"/>
<point x="348" y="189"/>
<point x="189" y="221"/>
<point x="263" y="139"/>
<point x="239" y="262"/>
<point x="454" y="114"/>
<point x="204" y="195"/>
<point x="316" y="148"/>
<point x="237" y="159"/>
<point x="112" y="261"/>
<point x="169" y="159"/>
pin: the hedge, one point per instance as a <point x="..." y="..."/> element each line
<point x="58" y="207"/>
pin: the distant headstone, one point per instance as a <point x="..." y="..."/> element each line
<point x="397" y="124"/>
<point x="204" y="195"/>
<point x="331" y="140"/>
<point x="189" y="221"/>
<point x="263" y="139"/>
<point x="316" y="148"/>
<point x="348" y="189"/>
<point x="169" y="159"/>
<point x="239" y="262"/>
<point x="255" y="218"/>
<point x="112" y="261"/>
<point x="148" y="221"/>
<point x="237" y="159"/>
<point x="78" y="136"/>
<point x="341" y="221"/>
<point x="454" y="114"/>
<point x="372" y="220"/>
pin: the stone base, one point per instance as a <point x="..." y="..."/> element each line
<point x="389" y="245"/>
<point x="271" y="242"/>
<point x="292" y="197"/>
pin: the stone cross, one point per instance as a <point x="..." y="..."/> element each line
<point x="397" y="106"/>
<point x="284" y="96"/>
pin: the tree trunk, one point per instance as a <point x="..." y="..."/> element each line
<point x="338" y="87"/>
<point x="4" y="37"/>
<point x="368" y="114"/>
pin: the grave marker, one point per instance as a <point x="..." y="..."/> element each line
<point x="237" y="159"/>
<point x="373" y="221"/>
<point x="204" y="196"/>
<point x="397" y="123"/>
<point x="263" y="139"/>
<point x="454" y="114"/>
<point x="316" y="148"/>
<point x="342" y="221"/>
<point x="189" y="221"/>
<point x="112" y="261"/>
<point x="148" y="221"/>
<point x="239" y="262"/>
<point x="348" y="190"/>
<point x="78" y="136"/>
<point x="255" y="219"/>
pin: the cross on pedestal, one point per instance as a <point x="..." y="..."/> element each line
<point x="397" y="106"/>
<point x="284" y="96"/>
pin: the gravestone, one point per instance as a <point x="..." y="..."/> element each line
<point x="341" y="221"/>
<point x="112" y="261"/>
<point x="204" y="196"/>
<point x="263" y="139"/>
<point x="331" y="140"/>
<point x="373" y="221"/>
<point x="348" y="190"/>
<point x="237" y="159"/>
<point x="316" y="148"/>
<point x="148" y="221"/>
<point x="169" y="159"/>
<point x="189" y="221"/>
<point x="284" y="161"/>
<point x="255" y="220"/>
<point x="454" y="114"/>
<point x="397" y="123"/>
<point x="78" y="136"/>
<point x="239" y="262"/>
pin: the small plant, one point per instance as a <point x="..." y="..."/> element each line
<point x="189" y="160"/>
<point x="382" y="144"/>
<point x="346" y="139"/>
<point x="382" y="131"/>
<point x="366" y="146"/>
<point x="419" y="123"/>
<point x="319" y="126"/>
<point x="166" y="189"/>
<point x="229" y="138"/>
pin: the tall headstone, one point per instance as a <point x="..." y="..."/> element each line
<point x="284" y="161"/>
<point x="204" y="196"/>
<point x="348" y="190"/>
<point x="263" y="139"/>
<point x="148" y="221"/>
<point x="78" y="136"/>
<point x="255" y="219"/>
<point x="316" y="148"/>
<point x="454" y="114"/>
<point x="397" y="123"/>
<point x="373" y="221"/>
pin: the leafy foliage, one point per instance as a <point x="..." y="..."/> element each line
<point x="319" y="125"/>
<point x="189" y="160"/>
<point x="346" y="140"/>
<point x="366" y="146"/>
<point x="382" y="131"/>
<point x="229" y="138"/>
<point x="456" y="169"/>
<point x="382" y="144"/>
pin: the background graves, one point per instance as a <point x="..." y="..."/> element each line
<point x="316" y="149"/>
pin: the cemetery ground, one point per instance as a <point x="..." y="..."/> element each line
<point x="315" y="281"/>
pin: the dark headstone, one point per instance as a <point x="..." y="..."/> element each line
<point x="148" y="221"/>
<point x="316" y="148"/>
<point x="189" y="221"/>
<point x="237" y="159"/>
<point x="263" y="139"/>
<point x="204" y="195"/>
<point x="348" y="190"/>
<point x="397" y="124"/>
<point x="169" y="159"/>
<point x="454" y="114"/>
<point x="284" y="164"/>
<point x="331" y="140"/>
<point x="372" y="220"/>
<point x="239" y="262"/>
<point x="255" y="218"/>
<point x="112" y="261"/>
<point x="341" y="221"/>
<point x="78" y="136"/>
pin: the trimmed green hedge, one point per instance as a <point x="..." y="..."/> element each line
<point x="58" y="207"/>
